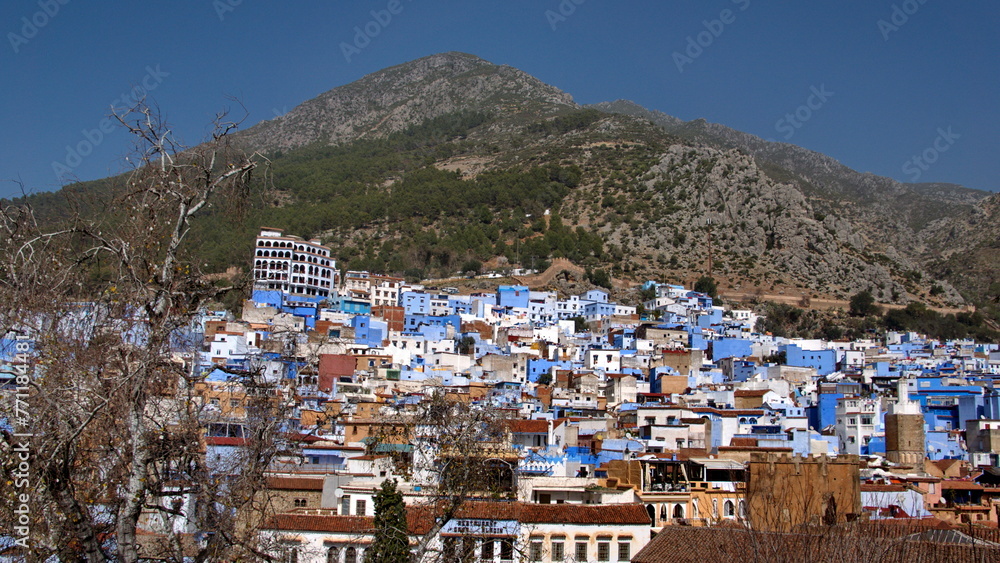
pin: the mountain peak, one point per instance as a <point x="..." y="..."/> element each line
<point x="407" y="94"/>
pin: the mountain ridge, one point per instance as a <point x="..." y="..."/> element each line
<point x="449" y="137"/>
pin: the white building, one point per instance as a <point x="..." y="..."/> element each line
<point x="294" y="266"/>
<point x="857" y="422"/>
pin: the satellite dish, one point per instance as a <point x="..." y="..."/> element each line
<point x="338" y="492"/>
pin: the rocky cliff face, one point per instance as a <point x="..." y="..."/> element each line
<point x="763" y="233"/>
<point x="905" y="229"/>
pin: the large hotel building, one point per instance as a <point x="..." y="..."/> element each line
<point x="296" y="267"/>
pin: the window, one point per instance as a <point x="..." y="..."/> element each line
<point x="604" y="549"/>
<point x="678" y="511"/>
<point x="487" y="551"/>
<point x="867" y="420"/>
<point x="362" y="507"/>
<point x="729" y="509"/>
<point x="299" y="502"/>
<point x="558" y="549"/>
<point x="506" y="550"/>
<point x="333" y="555"/>
<point x="351" y="555"/>
<point x="581" y="550"/>
<point x="535" y="550"/>
<point x="853" y="421"/>
<point x="624" y="550"/>
<point x="233" y="403"/>
<point x="450" y="549"/>
<point x="345" y="505"/>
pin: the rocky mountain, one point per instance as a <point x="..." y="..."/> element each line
<point x="655" y="188"/>
<point x="395" y="98"/>
<point x="904" y="222"/>
<point x="449" y="162"/>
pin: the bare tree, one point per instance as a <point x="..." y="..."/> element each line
<point x="461" y="452"/>
<point x="116" y="432"/>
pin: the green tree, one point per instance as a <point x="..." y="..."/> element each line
<point x="472" y="267"/>
<point x="391" y="543"/>
<point x="599" y="277"/>
<point x="707" y="285"/>
<point x="863" y="305"/>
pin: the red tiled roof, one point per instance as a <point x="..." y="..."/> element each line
<point x="751" y="392"/>
<point x="295" y="484"/>
<point x="961" y="485"/>
<point x="316" y="523"/>
<point x="529" y="426"/>
<point x="901" y="542"/>
<point x="419" y="518"/>
<point x="875" y="488"/>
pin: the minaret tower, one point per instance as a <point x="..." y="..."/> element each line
<point x="904" y="430"/>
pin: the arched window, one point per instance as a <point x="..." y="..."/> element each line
<point x="351" y="555"/>
<point x="678" y="511"/>
<point x="333" y="555"/>
<point x="652" y="513"/>
<point x="729" y="509"/>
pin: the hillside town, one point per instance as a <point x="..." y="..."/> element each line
<point x="597" y="433"/>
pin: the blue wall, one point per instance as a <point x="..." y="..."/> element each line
<point x="730" y="348"/>
<point x="824" y="361"/>
<point x="537" y="367"/>
<point x="513" y="296"/>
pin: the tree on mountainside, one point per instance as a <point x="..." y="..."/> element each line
<point x="707" y="285"/>
<point x="863" y="305"/>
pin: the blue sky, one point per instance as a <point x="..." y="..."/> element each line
<point x="872" y="83"/>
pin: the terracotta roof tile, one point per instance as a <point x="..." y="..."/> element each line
<point x="295" y="484"/>
<point x="529" y="426"/>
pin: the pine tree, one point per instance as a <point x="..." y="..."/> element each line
<point x="391" y="543"/>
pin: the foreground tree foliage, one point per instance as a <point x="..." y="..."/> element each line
<point x="117" y="441"/>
